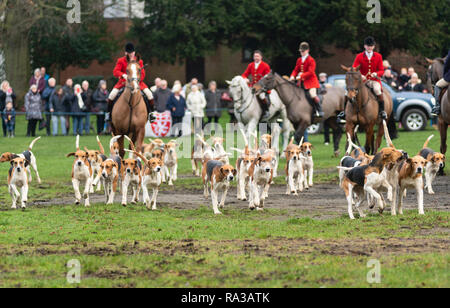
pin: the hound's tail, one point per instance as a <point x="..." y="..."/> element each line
<point x="102" y="150"/>
<point x="131" y="143"/>
<point x="301" y="141"/>
<point x="32" y="143"/>
<point x="428" y="141"/>
<point x="350" y="145"/>
<point x="77" y="142"/>
<point x="244" y="136"/>
<point x="386" y="135"/>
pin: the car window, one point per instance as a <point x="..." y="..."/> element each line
<point x="340" y="83"/>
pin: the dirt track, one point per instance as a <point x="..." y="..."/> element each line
<point x="323" y="201"/>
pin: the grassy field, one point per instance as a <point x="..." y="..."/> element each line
<point x="132" y="247"/>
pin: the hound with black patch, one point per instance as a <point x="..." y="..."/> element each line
<point x="219" y="176"/>
<point x="261" y="175"/>
<point x="81" y="173"/>
<point x="96" y="158"/>
<point x="29" y="158"/>
<point x="152" y="178"/>
<point x="294" y="169"/>
<point x="411" y="176"/>
<point x="368" y="179"/>
<point x="435" y="162"/>
<point x="17" y="179"/>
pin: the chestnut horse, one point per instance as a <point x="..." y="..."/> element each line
<point x="129" y="114"/>
<point x="363" y="109"/>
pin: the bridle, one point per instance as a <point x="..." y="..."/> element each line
<point x="242" y="99"/>
<point x="130" y="102"/>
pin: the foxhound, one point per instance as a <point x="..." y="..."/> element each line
<point x="219" y="176"/>
<point x="81" y="173"/>
<point x="151" y="178"/>
<point x="28" y="156"/>
<point x="261" y="175"/>
<point x="294" y="169"/>
<point x="411" y="176"/>
<point x="17" y="178"/>
<point x="96" y="158"/>
<point x="308" y="164"/>
<point x="435" y="162"/>
<point x="170" y="162"/>
<point x="197" y="155"/>
<point x="131" y="175"/>
<point x="148" y="149"/>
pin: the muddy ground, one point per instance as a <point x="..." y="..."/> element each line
<point x="323" y="201"/>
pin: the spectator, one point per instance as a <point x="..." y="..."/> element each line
<point x="48" y="92"/>
<point x="78" y="107"/>
<point x="228" y="102"/>
<point x="403" y="79"/>
<point x="88" y="101"/>
<point x="38" y="81"/>
<point x="213" y="104"/>
<point x="323" y="79"/>
<point x="177" y="106"/>
<point x="411" y="72"/>
<point x="162" y="95"/>
<point x="59" y="105"/>
<point x="188" y="88"/>
<point x="9" y="118"/>
<point x="389" y="79"/>
<point x="415" y="84"/>
<point x="68" y="91"/>
<point x="100" y="105"/>
<point x="196" y="104"/>
<point x="387" y="66"/>
<point x="44" y="74"/>
<point x="157" y="85"/>
<point x="33" y="110"/>
<point x="6" y="95"/>
<point x="177" y="82"/>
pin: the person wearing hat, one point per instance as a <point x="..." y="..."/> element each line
<point x="441" y="84"/>
<point x="120" y="71"/>
<point x="305" y="73"/>
<point x="370" y="65"/>
<point x="257" y="70"/>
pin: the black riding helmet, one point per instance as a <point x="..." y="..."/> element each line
<point x="369" y="41"/>
<point x="129" y="48"/>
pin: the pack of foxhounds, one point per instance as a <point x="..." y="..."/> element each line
<point x="363" y="178"/>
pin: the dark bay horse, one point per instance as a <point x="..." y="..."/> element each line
<point x="435" y="72"/>
<point x="363" y="109"/>
<point x="444" y="120"/>
<point x="129" y="114"/>
<point x="299" y="110"/>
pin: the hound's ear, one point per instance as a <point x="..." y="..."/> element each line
<point x="221" y="171"/>
<point x="409" y="160"/>
<point x="11" y="162"/>
<point x="86" y="149"/>
<point x="27" y="162"/>
<point x="70" y="154"/>
<point x="234" y="172"/>
<point x="345" y="68"/>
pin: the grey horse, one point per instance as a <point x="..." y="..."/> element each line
<point x="299" y="109"/>
<point x="248" y="111"/>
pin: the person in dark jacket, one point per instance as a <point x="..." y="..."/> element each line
<point x="161" y="97"/>
<point x="213" y="103"/>
<point x="177" y="106"/>
<point x="46" y="102"/>
<point x="100" y="105"/>
<point x="441" y="84"/>
<point x="88" y="102"/>
<point x="33" y="110"/>
<point x="9" y="118"/>
<point x="38" y="80"/>
<point x="69" y="92"/>
<point x="59" y="105"/>
<point x="77" y="108"/>
<point x="415" y="84"/>
<point x="6" y="95"/>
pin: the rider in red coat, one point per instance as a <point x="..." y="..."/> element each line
<point x="257" y="70"/>
<point x="120" y="72"/>
<point x="372" y="69"/>
<point x="305" y="73"/>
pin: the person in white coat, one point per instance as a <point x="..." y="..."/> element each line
<point x="196" y="104"/>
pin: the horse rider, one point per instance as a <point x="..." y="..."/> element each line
<point x="120" y="71"/>
<point x="257" y="70"/>
<point x="371" y="69"/>
<point x="440" y="85"/>
<point x="305" y="73"/>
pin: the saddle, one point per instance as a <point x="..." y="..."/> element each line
<point x="147" y="103"/>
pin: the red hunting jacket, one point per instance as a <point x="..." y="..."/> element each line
<point x="257" y="74"/>
<point x="367" y="67"/>
<point x="308" y="68"/>
<point x="121" y="69"/>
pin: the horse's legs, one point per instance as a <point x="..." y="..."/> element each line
<point x="300" y="132"/>
<point x="443" y="131"/>
<point x="370" y="147"/>
<point x="379" y="138"/>
<point x="139" y="139"/>
<point x="337" y="135"/>
<point x="121" y="147"/>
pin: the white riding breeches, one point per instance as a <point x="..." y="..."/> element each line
<point x="442" y="83"/>
<point x="376" y="86"/>
<point x="114" y="92"/>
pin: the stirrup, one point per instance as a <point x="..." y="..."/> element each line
<point x="108" y="117"/>
<point x="383" y="115"/>
<point x="151" y="117"/>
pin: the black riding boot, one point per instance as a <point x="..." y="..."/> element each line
<point x="341" y="115"/>
<point x="437" y="108"/>
<point x="319" y="111"/>
<point x="150" y="104"/>
<point x="382" y="114"/>
<point x="110" y="108"/>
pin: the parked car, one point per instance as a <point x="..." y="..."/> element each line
<point x="412" y="109"/>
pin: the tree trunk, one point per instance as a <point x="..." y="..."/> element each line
<point x="17" y="55"/>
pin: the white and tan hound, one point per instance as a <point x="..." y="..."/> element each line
<point x="308" y="164"/>
<point x="170" y="162"/>
<point x="18" y="179"/>
<point x="411" y="176"/>
<point x="435" y="162"/>
<point x="29" y="157"/>
<point x="81" y="173"/>
<point x="131" y="176"/>
<point x="96" y="158"/>
<point x="261" y="175"/>
<point x="294" y="169"/>
<point x="152" y="178"/>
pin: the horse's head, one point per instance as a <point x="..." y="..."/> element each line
<point x="354" y="81"/>
<point x="435" y="72"/>
<point x="238" y="86"/>
<point x="134" y="74"/>
<point x="266" y="83"/>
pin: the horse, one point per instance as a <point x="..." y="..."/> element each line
<point x="300" y="111"/>
<point x="248" y="111"/>
<point x="444" y="120"/>
<point x="435" y="72"/>
<point x="129" y="114"/>
<point x="363" y="109"/>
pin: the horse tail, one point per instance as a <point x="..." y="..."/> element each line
<point x="428" y="141"/>
<point x="32" y="143"/>
<point x="100" y="146"/>
<point x="386" y="135"/>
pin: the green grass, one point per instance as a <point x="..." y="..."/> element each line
<point x="132" y="247"/>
